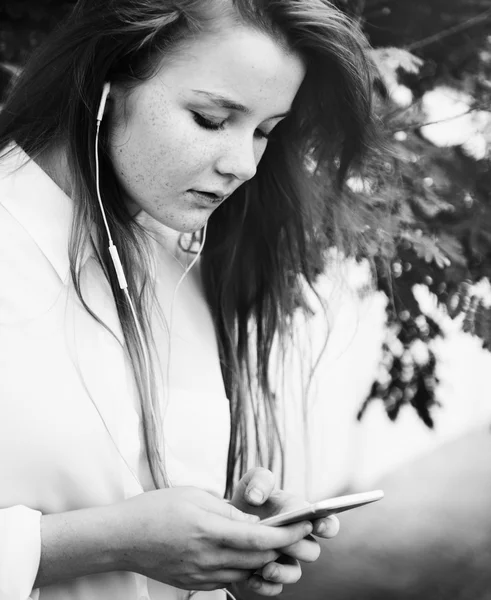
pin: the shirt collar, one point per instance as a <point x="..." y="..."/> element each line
<point x="46" y="212"/>
<point x="39" y="205"/>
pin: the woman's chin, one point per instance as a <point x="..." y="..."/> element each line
<point x="185" y="224"/>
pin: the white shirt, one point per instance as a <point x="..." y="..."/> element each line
<point x="70" y="427"/>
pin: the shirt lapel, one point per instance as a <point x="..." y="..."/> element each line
<point x="39" y="205"/>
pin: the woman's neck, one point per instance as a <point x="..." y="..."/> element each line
<point x="54" y="162"/>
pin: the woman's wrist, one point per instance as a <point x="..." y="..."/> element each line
<point x="79" y="543"/>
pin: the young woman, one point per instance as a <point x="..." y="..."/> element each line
<point x="145" y="137"/>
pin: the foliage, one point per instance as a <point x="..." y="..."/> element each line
<point x="434" y="57"/>
<point x="440" y="199"/>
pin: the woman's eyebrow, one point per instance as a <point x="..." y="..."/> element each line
<point x="225" y="102"/>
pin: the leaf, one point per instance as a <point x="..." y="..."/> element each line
<point x="453" y="249"/>
<point x="389" y="60"/>
<point x="427" y="248"/>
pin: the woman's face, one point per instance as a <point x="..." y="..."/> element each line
<point x="186" y="139"/>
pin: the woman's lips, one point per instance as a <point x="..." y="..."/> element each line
<point x="207" y="197"/>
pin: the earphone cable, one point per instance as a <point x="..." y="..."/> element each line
<point x="174" y="296"/>
<point x="113" y="251"/>
<point x="97" y="179"/>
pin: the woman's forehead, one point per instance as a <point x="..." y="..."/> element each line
<point x="240" y="63"/>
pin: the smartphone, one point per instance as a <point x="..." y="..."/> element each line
<point x="324" y="508"/>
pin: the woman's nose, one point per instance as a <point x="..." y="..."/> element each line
<point x="238" y="159"/>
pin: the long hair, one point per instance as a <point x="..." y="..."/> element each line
<point x="278" y="225"/>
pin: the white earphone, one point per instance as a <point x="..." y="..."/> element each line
<point x="112" y="248"/>
<point x="113" y="251"/>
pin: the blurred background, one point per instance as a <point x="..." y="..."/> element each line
<point x="401" y="399"/>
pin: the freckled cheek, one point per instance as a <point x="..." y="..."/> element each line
<point x="162" y="153"/>
<point x="193" y="153"/>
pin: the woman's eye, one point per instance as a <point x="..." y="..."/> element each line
<point x="212" y="125"/>
<point x="208" y="123"/>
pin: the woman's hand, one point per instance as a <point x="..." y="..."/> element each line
<point x="256" y="494"/>
<point x="190" y="539"/>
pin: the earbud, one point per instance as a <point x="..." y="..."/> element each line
<point x="105" y="93"/>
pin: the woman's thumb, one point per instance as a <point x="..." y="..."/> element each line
<point x="256" y="486"/>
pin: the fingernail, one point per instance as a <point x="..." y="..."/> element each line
<point x="255" y="495"/>
<point x="321" y="528"/>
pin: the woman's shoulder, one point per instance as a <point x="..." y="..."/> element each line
<point x="34" y="231"/>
